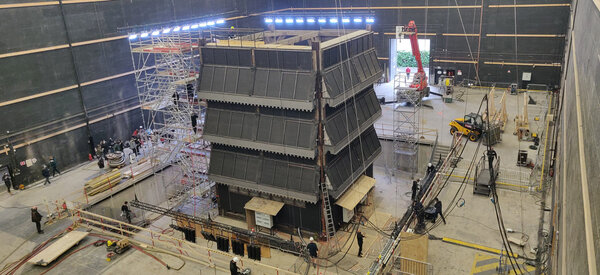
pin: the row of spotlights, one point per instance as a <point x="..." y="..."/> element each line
<point x="177" y="28"/>
<point x="321" y="20"/>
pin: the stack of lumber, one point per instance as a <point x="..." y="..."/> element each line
<point x="103" y="182"/>
<point x="137" y="169"/>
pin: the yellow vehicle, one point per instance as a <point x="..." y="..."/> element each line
<point x="471" y="126"/>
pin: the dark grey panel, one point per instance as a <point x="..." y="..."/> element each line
<point x="89" y="21"/>
<point x="345" y="119"/>
<point x="285" y="132"/>
<point x="100" y="60"/>
<point x="41" y="110"/>
<point x="35" y="73"/>
<point x="109" y="93"/>
<point x="289" y="60"/>
<point x="31" y="28"/>
<point x="229" y="57"/>
<point x="351" y="76"/>
<point x="263" y="87"/>
<point x="345" y="167"/>
<point x="278" y="176"/>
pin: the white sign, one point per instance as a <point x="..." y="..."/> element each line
<point x="264" y="220"/>
<point x="347" y="214"/>
<point x="526" y="76"/>
<point x="398" y="32"/>
<point x="459" y="72"/>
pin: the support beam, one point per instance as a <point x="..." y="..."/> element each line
<point x="522" y="35"/>
<point x="455" y="61"/>
<point x="529" y="5"/>
<point x="48" y="3"/>
<point x="523" y="64"/>
<point x="295" y="39"/>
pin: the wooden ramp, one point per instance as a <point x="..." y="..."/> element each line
<point x="59" y="247"/>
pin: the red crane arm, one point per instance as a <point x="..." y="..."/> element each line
<point x="411" y="29"/>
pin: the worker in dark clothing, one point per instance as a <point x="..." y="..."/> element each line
<point x="126" y="212"/>
<point x="176" y="98"/>
<point x="101" y="163"/>
<point x="194" y="122"/>
<point x="235" y="270"/>
<point x="46" y="174"/>
<point x="415" y="188"/>
<point x="359" y="239"/>
<point x="419" y="211"/>
<point x="7" y="181"/>
<point x="312" y="250"/>
<point x="430" y="168"/>
<point x="53" y="166"/>
<point x="190" y="92"/>
<point x="438" y="210"/>
<point x="36" y="217"/>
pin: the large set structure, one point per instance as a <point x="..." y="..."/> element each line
<point x="290" y="118"/>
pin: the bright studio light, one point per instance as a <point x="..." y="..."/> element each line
<point x="133" y="36"/>
<point x="269" y="20"/>
<point x="333" y="20"/>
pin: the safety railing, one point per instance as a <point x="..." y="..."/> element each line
<point x="404" y="265"/>
<point x="153" y="240"/>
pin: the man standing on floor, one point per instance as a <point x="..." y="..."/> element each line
<point x="46" y="174"/>
<point x="53" y="166"/>
<point x="438" y="210"/>
<point x="235" y="270"/>
<point x="312" y="250"/>
<point x="36" y="217"/>
<point x="359" y="239"/>
<point x="125" y="211"/>
<point x="7" y="181"/>
<point x="415" y="188"/>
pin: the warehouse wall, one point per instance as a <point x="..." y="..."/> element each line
<point x="41" y="104"/>
<point x="579" y="151"/>
<point x="39" y="99"/>
<point x="441" y="21"/>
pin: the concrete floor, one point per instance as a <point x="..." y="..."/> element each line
<point x="474" y="222"/>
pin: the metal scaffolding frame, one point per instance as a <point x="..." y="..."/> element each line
<point x="406" y="125"/>
<point x="166" y="68"/>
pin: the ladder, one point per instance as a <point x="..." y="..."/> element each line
<point x="328" y="216"/>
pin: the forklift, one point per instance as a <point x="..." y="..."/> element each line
<point x="471" y="126"/>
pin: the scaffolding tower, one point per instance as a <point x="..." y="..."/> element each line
<point x="406" y="125"/>
<point x="166" y="68"/>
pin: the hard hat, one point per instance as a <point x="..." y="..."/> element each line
<point x="236" y="259"/>
<point x="311" y="239"/>
<point x="429" y="164"/>
<point x="141" y="127"/>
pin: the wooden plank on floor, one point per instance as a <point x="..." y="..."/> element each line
<point x="57" y="248"/>
<point x="414" y="246"/>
